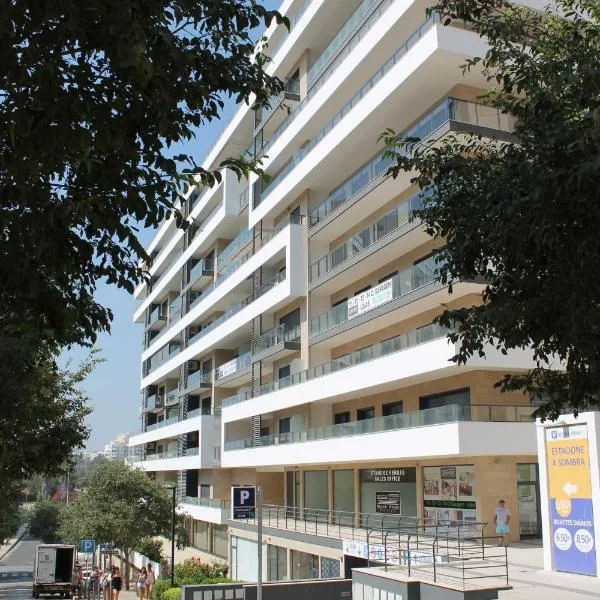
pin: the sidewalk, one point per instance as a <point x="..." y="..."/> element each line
<point x="531" y="582"/>
<point x="5" y="548"/>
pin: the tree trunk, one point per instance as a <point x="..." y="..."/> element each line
<point x="127" y="568"/>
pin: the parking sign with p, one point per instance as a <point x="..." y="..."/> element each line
<point x="243" y="502"/>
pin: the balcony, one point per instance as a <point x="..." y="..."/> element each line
<point x="235" y="246"/>
<point x="328" y="67"/>
<point x="161" y="357"/>
<point x="163" y="423"/>
<point x="210" y="510"/>
<point x="378" y="243"/>
<point x="420" y="418"/>
<point x="156" y="319"/>
<point x="201" y="273"/>
<point x="155" y="402"/>
<point x="198" y="380"/>
<point x="277" y="343"/>
<point x="424" y="354"/>
<point x="407" y="286"/>
<point x="234" y="372"/>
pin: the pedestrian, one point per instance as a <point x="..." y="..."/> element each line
<point x="149" y="581"/>
<point x="141" y="583"/>
<point x="95" y="582"/>
<point x="76" y="581"/>
<point x="116" y="583"/>
<point x="106" y="583"/>
<point x="502" y="520"/>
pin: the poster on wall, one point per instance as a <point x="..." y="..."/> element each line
<point x="387" y="503"/>
<point x="570" y="496"/>
<point x="449" y="494"/>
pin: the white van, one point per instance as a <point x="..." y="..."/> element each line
<point x="53" y="570"/>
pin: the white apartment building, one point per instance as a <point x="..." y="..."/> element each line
<point x="288" y="333"/>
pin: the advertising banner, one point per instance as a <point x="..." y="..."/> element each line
<point x="387" y="503"/>
<point x="362" y="303"/>
<point x="391" y="556"/>
<point x="229" y="368"/>
<point x="449" y="494"/>
<point x="570" y="496"/>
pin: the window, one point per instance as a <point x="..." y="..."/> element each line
<point x="292" y="319"/>
<point x="285" y="425"/>
<point x="392" y="408"/>
<point x="456" y="397"/>
<point x="365" y="413"/>
<point x="206" y="406"/>
<point x="204" y="490"/>
<point x="362" y="290"/>
<point x="393" y="274"/>
<point x="264" y="431"/>
<point x="343" y="417"/>
<point x="304" y="566"/>
<point x="276" y="563"/>
<point x="284" y="371"/>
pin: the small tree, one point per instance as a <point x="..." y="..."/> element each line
<point x="121" y="505"/>
<point x="43" y="521"/>
<point x="152" y="548"/>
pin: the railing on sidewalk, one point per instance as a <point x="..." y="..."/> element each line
<point x="461" y="563"/>
<point x="367" y="527"/>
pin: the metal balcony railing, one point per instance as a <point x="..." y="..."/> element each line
<point x="403" y="283"/>
<point x="397" y="343"/>
<point x="419" y="418"/>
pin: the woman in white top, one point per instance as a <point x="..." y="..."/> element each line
<point x="149" y="581"/>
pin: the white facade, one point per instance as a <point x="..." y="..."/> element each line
<point x="292" y="330"/>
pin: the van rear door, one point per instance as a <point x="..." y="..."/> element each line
<point x="46" y="564"/>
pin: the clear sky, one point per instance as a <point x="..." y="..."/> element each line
<point x="114" y="387"/>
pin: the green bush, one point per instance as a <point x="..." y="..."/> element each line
<point x="172" y="594"/>
<point x="193" y="570"/>
<point x="151" y="548"/>
<point x="160" y="587"/>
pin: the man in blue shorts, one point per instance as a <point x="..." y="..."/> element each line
<point x="502" y="520"/>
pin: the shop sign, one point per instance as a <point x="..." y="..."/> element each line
<point x="387" y="502"/>
<point x="570" y="495"/>
<point x="449" y="494"/>
<point x="363" y="303"/>
<point x="391" y="556"/>
<point x="229" y="368"/>
<point x="395" y="475"/>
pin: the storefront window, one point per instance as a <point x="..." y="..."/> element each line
<point x="200" y="539"/>
<point x="343" y="496"/>
<point x="316" y="493"/>
<point x="389" y="491"/>
<point x="449" y="494"/>
<point x="304" y="566"/>
<point x="330" y="568"/>
<point x="219" y="540"/>
<point x="276" y="563"/>
<point x="527" y="472"/>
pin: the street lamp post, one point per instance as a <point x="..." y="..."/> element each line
<point x="174" y="490"/>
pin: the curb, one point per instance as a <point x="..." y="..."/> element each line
<point x="4" y="550"/>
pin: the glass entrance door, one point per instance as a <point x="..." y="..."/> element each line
<point x="529" y="505"/>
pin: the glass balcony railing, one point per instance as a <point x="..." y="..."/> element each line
<point x="204" y="265"/>
<point x="172" y="397"/>
<point x="197" y="412"/>
<point x="155" y="401"/>
<point x="326" y="73"/>
<point x="277" y="335"/>
<point x="163" y="423"/>
<point x="233" y="366"/>
<point x="232" y="248"/>
<point x="392" y="220"/>
<point x="193" y="451"/>
<point x="420" y="418"/>
<point x="208" y="502"/>
<point x="199" y="378"/>
<point x="244" y="199"/>
<point x="403" y="283"/>
<point x="162" y="356"/>
<point x="291" y="219"/>
<point x="155" y="315"/>
<point x="392" y="345"/>
<point x="161" y="455"/>
<point x="235" y="308"/>
<point x="274" y="48"/>
<point x="449" y="109"/>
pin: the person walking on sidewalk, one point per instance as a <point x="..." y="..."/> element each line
<point x="150" y="579"/>
<point x="141" y="583"/>
<point x="502" y="520"/>
<point x="116" y="583"/>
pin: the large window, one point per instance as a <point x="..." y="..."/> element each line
<point x="219" y="540"/>
<point x="460" y="397"/>
<point x="200" y="538"/>
<point x="316" y="495"/>
<point x="343" y="495"/>
<point x="276" y="563"/>
<point x="304" y="566"/>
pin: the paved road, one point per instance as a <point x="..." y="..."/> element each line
<point x="16" y="570"/>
